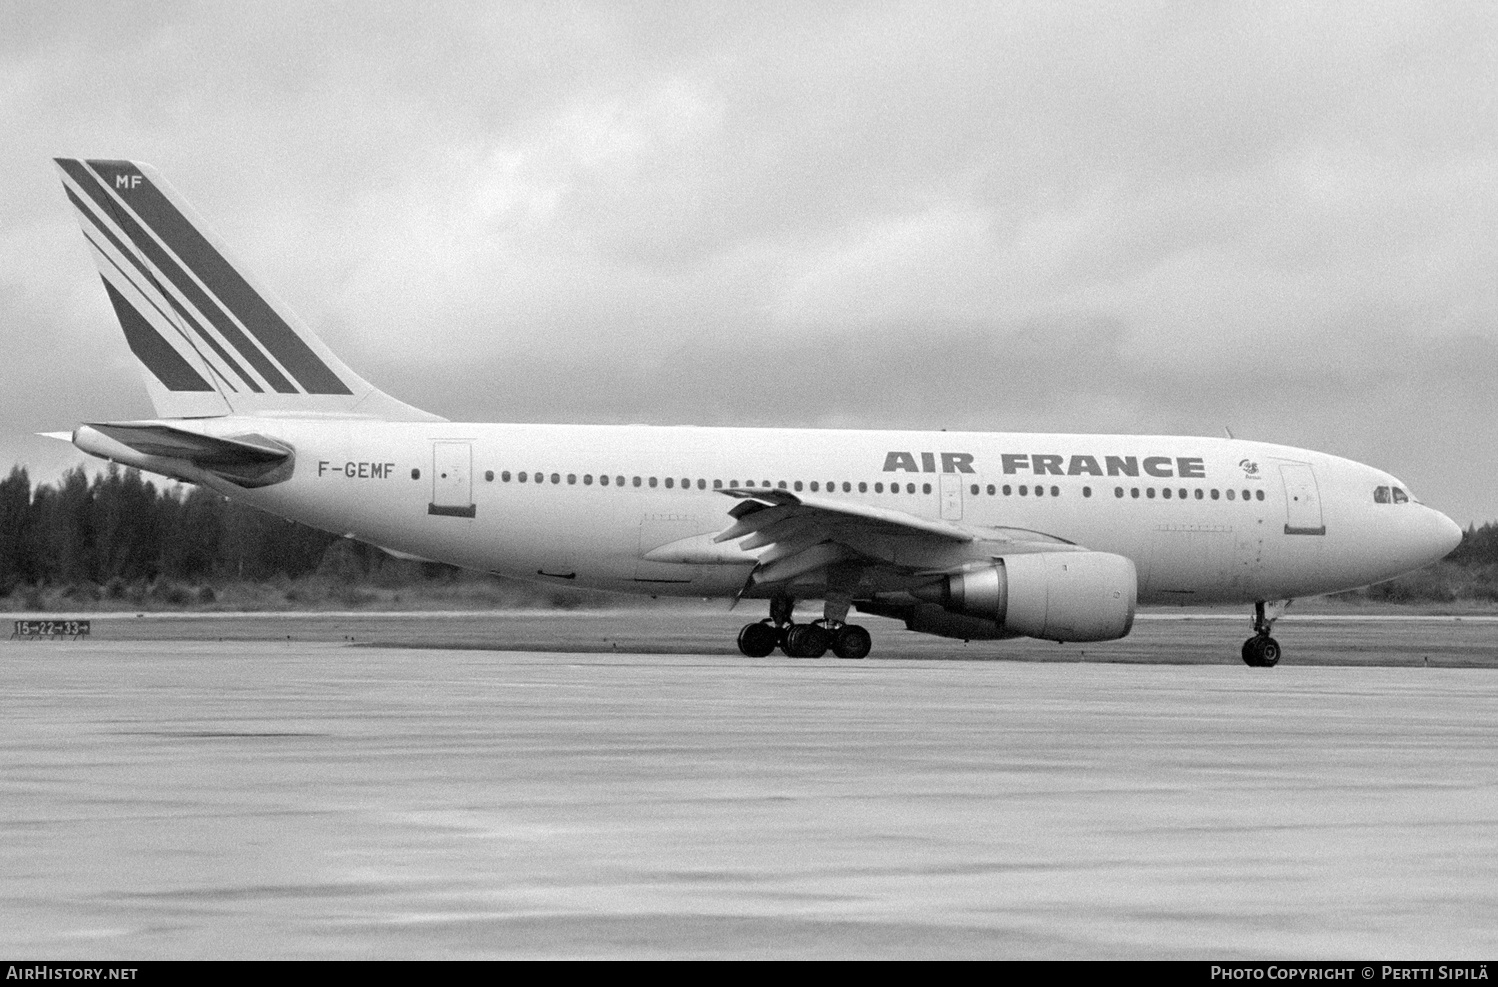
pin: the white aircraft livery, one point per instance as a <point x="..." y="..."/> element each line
<point x="970" y="535"/>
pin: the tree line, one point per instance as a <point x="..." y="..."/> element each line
<point x="116" y="525"/>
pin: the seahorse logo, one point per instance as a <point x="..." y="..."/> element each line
<point x="1250" y="468"/>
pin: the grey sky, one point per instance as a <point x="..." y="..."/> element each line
<point x="1281" y="218"/>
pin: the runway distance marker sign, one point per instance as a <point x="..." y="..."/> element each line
<point x="49" y="629"/>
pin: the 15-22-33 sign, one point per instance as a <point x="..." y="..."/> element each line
<point x="50" y="628"/>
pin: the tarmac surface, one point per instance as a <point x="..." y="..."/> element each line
<point x="626" y="785"/>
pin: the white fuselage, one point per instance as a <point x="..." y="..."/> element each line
<point x="1204" y="520"/>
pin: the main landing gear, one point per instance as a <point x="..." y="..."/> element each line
<point x="804" y="640"/>
<point x="1261" y="650"/>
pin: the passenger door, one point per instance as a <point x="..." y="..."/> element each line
<point x="1302" y="500"/>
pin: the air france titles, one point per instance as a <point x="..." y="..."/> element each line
<point x="357" y="471"/>
<point x="1048" y="464"/>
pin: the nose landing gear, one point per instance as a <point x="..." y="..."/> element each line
<point x="804" y="640"/>
<point x="1261" y="650"/>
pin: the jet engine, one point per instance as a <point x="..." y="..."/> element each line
<point x="1056" y="596"/>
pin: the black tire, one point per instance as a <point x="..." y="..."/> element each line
<point x="1261" y="652"/>
<point x="851" y="641"/>
<point x="758" y="640"/>
<point x="806" y="641"/>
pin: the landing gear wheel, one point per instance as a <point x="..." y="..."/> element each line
<point x="758" y="640"/>
<point x="851" y="641"/>
<point x="1261" y="652"/>
<point x="806" y="641"/>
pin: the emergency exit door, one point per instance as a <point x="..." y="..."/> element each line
<point x="452" y="479"/>
<point x="951" y="496"/>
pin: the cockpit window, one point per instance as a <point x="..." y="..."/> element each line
<point x="1381" y="495"/>
<point x="1400" y="497"/>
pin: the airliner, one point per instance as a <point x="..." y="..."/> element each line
<point x="966" y="535"/>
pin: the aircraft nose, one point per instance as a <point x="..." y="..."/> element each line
<point x="1448" y="534"/>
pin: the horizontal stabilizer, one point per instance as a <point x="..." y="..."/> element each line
<point x="246" y="460"/>
<point x="204" y="450"/>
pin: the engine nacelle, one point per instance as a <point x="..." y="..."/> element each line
<point x="1057" y="596"/>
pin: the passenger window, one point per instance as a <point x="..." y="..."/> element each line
<point x="521" y="477"/>
<point x="797" y="486"/>
<point x="556" y="478"/>
<point x="637" y="481"/>
<point x="1230" y="495"/>
<point x="1246" y="495"/>
<point x="1039" y="490"/>
<point x="782" y="484"/>
<point x="1214" y="493"/>
<point x="572" y="479"/>
<point x="879" y="488"/>
<point x="1149" y="492"/>
<point x="1381" y="495"/>
<point x="992" y="490"/>
<point x="702" y="484"/>
<point x="505" y="476"/>
<point x="1165" y="493"/>
<point x="847" y="487"/>
<point x="1086" y="491"/>
<point x="1198" y="493"/>
<point x="1258" y="495"/>
<point x="587" y="479"/>
<point x="603" y="480"/>
<point x="1055" y="491"/>
<point x="974" y="489"/>
<point x="925" y="488"/>
<point x="1118" y="492"/>
<point x="1024" y="490"/>
<point x="717" y="484"/>
<point x="1400" y="497"/>
<point x="1183" y="493"/>
<point x="416" y="474"/>
<point x="863" y="486"/>
<point x="652" y="481"/>
<point x="670" y="482"/>
<point x="489" y="476"/>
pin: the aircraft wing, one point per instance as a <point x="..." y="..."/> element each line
<point x="806" y="538"/>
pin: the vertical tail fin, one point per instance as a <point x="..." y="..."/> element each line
<point x="210" y="339"/>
